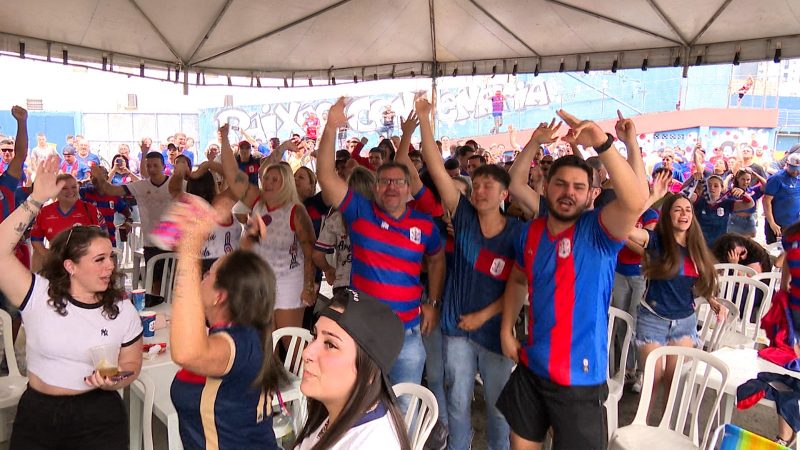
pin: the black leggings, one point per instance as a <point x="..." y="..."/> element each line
<point x="93" y="420"/>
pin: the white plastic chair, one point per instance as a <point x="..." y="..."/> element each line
<point x="690" y="384"/>
<point x="12" y="385"/>
<point x="728" y="269"/>
<point x="421" y="414"/>
<point x="616" y="380"/>
<point x="170" y="261"/>
<point x="741" y="291"/>
<point x="147" y="386"/>
<point x="712" y="333"/>
<point x="300" y="337"/>
<point x="773" y="281"/>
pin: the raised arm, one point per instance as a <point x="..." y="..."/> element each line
<point x="15" y="278"/>
<point x="521" y="192"/>
<point x="433" y="159"/>
<point x="620" y="215"/>
<point x="20" y="143"/>
<point x="626" y="132"/>
<point x="103" y="186"/>
<point x="401" y="154"/>
<point x="334" y="188"/>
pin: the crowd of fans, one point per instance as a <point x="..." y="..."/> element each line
<point x="431" y="250"/>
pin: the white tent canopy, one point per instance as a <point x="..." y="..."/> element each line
<point x="366" y="39"/>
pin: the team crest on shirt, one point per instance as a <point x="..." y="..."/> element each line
<point x="497" y="267"/>
<point x="384" y="225"/>
<point x="2" y="197"/>
<point x="564" y="248"/>
<point x="720" y="212"/>
<point x="415" y="234"/>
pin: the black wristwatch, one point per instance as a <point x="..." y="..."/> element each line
<point x="606" y="145"/>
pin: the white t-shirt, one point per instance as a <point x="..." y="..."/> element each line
<point x="335" y="238"/>
<point x="223" y="240"/>
<point x="378" y="433"/>
<point x="58" y="346"/>
<point x="153" y="202"/>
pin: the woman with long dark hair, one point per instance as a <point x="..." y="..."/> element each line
<point x="679" y="267"/>
<point x="345" y="377"/>
<point x="73" y="306"/>
<point x="228" y="365"/>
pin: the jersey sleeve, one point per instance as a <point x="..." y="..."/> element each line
<point x="327" y="235"/>
<point x="120" y="205"/>
<point x="649" y="217"/>
<point x="653" y="242"/>
<point x="36" y="297"/>
<point x="353" y="206"/>
<point x="131" y="321"/>
<point x="519" y="245"/>
<point x="773" y="186"/>
<point x="424" y="201"/>
<point x="134" y="189"/>
<point x="603" y="240"/>
<point x="434" y="242"/>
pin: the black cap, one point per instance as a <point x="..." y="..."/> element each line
<point x="371" y="323"/>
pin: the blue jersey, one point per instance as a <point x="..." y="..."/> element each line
<point x="90" y="160"/>
<point x="786" y="192"/>
<point x="107" y="205"/>
<point x="481" y="267"/>
<point x="713" y="217"/>
<point x="791" y="245"/>
<point x="8" y="188"/>
<point x="570" y="277"/>
<point x="388" y="252"/>
<point x="226" y="412"/>
<point x="674" y="298"/>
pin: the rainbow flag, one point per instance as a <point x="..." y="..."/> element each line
<point x="736" y="438"/>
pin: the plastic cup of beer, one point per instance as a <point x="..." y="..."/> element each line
<point x="105" y="359"/>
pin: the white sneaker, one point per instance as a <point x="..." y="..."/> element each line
<point x="637" y="385"/>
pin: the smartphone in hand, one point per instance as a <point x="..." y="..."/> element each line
<point x="122" y="375"/>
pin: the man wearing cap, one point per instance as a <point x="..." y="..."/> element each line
<point x="782" y="199"/>
<point x="248" y="162"/>
<point x="389" y="241"/>
<point x="72" y="166"/>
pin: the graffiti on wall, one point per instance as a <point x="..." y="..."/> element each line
<point x="457" y="108"/>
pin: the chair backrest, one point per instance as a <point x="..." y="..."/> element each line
<point x="149" y="388"/>
<point x="693" y="368"/>
<point x="712" y="333"/>
<point x="300" y="337"/>
<point x="773" y="282"/>
<point x="8" y="343"/>
<point x="728" y="269"/>
<point x="170" y="261"/>
<point x="617" y="318"/>
<point x="741" y="291"/>
<point x="421" y="414"/>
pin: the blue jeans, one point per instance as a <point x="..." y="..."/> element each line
<point x="409" y="364"/>
<point x="462" y="360"/>
<point x="434" y="369"/>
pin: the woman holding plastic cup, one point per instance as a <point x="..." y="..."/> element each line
<point x="69" y="310"/>
<point x="230" y="365"/>
<point x="281" y="232"/>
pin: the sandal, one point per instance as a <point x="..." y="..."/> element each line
<point x="785" y="443"/>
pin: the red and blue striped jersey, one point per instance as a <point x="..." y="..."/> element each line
<point x="478" y="275"/>
<point x="8" y="187"/>
<point x="629" y="263"/>
<point x="107" y="205"/>
<point x="388" y="252"/>
<point x="570" y="277"/>
<point x="791" y="245"/>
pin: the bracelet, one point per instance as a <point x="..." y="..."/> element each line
<point x="35" y="203"/>
<point x="606" y="145"/>
<point x="433" y="302"/>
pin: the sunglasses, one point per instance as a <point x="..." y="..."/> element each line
<point x="7" y="150"/>
<point x="82" y="229"/>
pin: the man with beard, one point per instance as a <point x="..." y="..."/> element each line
<point x="566" y="262"/>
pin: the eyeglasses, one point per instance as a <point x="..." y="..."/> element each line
<point x="7" y="150"/>
<point x="399" y="182"/>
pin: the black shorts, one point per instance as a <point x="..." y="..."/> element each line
<point x="93" y="420"/>
<point x="532" y="404"/>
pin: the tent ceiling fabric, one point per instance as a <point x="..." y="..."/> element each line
<point x="343" y="38"/>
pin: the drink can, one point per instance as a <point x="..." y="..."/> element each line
<point x="148" y="323"/>
<point x="138" y="295"/>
